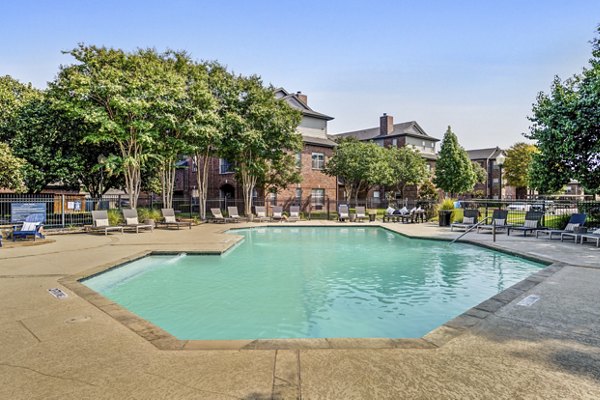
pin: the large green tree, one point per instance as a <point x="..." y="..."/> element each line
<point x="566" y="128"/>
<point x="407" y="168"/>
<point x="518" y="164"/>
<point x="127" y="97"/>
<point x="11" y="170"/>
<point x="360" y="166"/>
<point x="454" y="171"/>
<point x="259" y="131"/>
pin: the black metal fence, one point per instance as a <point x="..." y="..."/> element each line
<point x="65" y="210"/>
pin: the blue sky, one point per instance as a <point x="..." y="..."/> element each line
<point x="475" y="65"/>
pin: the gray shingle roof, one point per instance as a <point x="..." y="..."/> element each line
<point x="306" y="110"/>
<point x="484" y="154"/>
<point x="410" y="128"/>
<point x="318" y="141"/>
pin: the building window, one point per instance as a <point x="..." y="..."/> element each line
<point x="395" y="142"/>
<point x="376" y="194"/>
<point x="298" y="193"/>
<point x="272" y="198"/>
<point x="318" y="198"/>
<point x="225" y="167"/>
<point x="299" y="160"/>
<point x="495" y="180"/>
<point x="318" y="160"/>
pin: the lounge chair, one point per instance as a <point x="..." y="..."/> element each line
<point x="594" y="235"/>
<point x="407" y="216"/>
<point x="575" y="221"/>
<point x="390" y="215"/>
<point x="361" y="213"/>
<point x="261" y="213"/>
<point x="131" y="221"/>
<point x="277" y="213"/>
<point x="32" y="226"/>
<point x="218" y="216"/>
<point x="169" y="220"/>
<point x="294" y="214"/>
<point x="234" y="216"/>
<point x="470" y="217"/>
<point x="533" y="222"/>
<point x="100" y="223"/>
<point x="498" y="221"/>
<point x="343" y="213"/>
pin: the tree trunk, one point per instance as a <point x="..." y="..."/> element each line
<point x="248" y="185"/>
<point x="201" y="160"/>
<point x="167" y="181"/>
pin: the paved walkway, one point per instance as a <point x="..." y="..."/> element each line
<point x="69" y="349"/>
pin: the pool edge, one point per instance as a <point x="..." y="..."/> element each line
<point x="436" y="338"/>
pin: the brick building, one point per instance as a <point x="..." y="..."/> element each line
<point x="315" y="188"/>
<point x="491" y="189"/>
<point x="388" y="134"/>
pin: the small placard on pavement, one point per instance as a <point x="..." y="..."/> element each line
<point x="59" y="294"/>
<point x="529" y="300"/>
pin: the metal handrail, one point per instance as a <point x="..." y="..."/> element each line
<point x="471" y="228"/>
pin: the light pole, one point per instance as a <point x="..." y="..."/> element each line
<point x="500" y="161"/>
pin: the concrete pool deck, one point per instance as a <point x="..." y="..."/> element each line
<point x="69" y="348"/>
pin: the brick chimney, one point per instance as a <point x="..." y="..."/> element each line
<point x="302" y="97"/>
<point x="386" y="124"/>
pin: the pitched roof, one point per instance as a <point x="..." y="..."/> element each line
<point x="318" y="141"/>
<point x="410" y="128"/>
<point x="484" y="154"/>
<point x="295" y="101"/>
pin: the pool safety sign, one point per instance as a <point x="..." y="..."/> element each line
<point x="59" y="294"/>
<point x="529" y="300"/>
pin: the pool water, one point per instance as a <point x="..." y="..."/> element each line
<point x="312" y="282"/>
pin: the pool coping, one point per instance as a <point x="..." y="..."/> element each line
<point x="436" y="338"/>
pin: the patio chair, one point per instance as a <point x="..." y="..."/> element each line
<point x="533" y="222"/>
<point x="343" y="213"/>
<point x="407" y="217"/>
<point x="278" y="213"/>
<point x="218" y="216"/>
<point x="32" y="226"/>
<point x="294" y="214"/>
<point x="470" y="217"/>
<point x="594" y="235"/>
<point x="261" y="213"/>
<point x="361" y="214"/>
<point x="390" y="215"/>
<point x="498" y="222"/>
<point x="131" y="221"/>
<point x="100" y="223"/>
<point x="234" y="215"/>
<point x="576" y="220"/>
<point x="169" y="220"/>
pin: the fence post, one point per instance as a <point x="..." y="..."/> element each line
<point x="190" y="199"/>
<point x="62" y="209"/>
<point x="328" y="200"/>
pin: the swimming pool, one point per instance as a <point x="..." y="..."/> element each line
<point x="312" y="282"/>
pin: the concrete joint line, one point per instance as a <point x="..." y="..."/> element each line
<point x="29" y="330"/>
<point x="47" y="375"/>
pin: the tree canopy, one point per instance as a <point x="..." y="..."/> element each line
<point x="566" y="128"/>
<point x="454" y="171"/>
<point x="11" y="170"/>
<point x="518" y="164"/>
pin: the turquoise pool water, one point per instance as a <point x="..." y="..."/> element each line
<point x="308" y="282"/>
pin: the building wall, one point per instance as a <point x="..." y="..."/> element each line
<point x="312" y="178"/>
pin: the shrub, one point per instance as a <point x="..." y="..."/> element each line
<point x="115" y="217"/>
<point x="148" y="213"/>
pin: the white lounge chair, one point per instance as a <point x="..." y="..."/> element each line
<point x="132" y="223"/>
<point x="294" y="214"/>
<point x="361" y="213"/>
<point x="261" y="213"/>
<point x="234" y="215"/>
<point x="277" y="213"/>
<point x="169" y="219"/>
<point x="100" y="223"/>
<point x="343" y="213"/>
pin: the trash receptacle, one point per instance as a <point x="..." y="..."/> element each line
<point x="444" y="217"/>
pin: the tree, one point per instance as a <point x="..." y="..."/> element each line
<point x="407" y="168"/>
<point x="518" y="164"/>
<point x="454" y="171"/>
<point x="259" y="132"/>
<point x="11" y="174"/>
<point x="566" y="128"/>
<point x="480" y="173"/>
<point x="127" y="96"/>
<point x="360" y="166"/>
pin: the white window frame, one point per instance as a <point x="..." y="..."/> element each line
<point x="317" y="163"/>
<point x="224" y="163"/>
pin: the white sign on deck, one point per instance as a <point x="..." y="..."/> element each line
<point x="59" y="294"/>
<point x="529" y="300"/>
